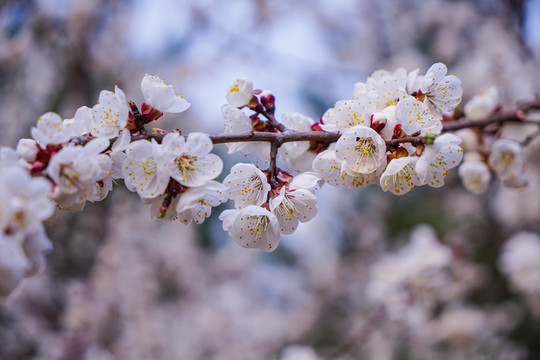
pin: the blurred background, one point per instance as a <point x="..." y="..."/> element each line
<point x="373" y="276"/>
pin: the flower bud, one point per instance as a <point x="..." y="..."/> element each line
<point x="268" y="100"/>
<point x="378" y="121"/>
<point x="240" y="92"/>
<point x="150" y="112"/>
<point x="398" y="132"/>
<point x="27" y="149"/>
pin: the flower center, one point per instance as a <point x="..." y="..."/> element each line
<point x="185" y="164"/>
<point x="365" y="145"/>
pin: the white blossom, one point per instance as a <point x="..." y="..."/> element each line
<point x="76" y="166"/>
<point x="236" y="122"/>
<point x="24" y="199"/>
<point x="292" y="206"/>
<point x="443" y="92"/>
<point x="302" y="162"/>
<point x="361" y="149"/>
<point x="417" y="267"/>
<point x="400" y="176"/>
<point x="332" y="170"/>
<point x="162" y="96"/>
<point x="35" y="246"/>
<point x="252" y="227"/>
<point x="49" y="130"/>
<point x="414" y="116"/>
<point x="439" y="158"/>
<point x="388" y="89"/>
<point x="145" y="168"/>
<point x="21" y="255"/>
<point x="27" y="149"/>
<point x="24" y="205"/>
<point x="349" y="113"/>
<point x="414" y="81"/>
<point x="355" y="180"/>
<point x="110" y="114"/>
<point x="240" y="92"/>
<point x="189" y="160"/>
<point x="80" y="124"/>
<point x="384" y="86"/>
<point x="475" y="176"/>
<point x="506" y="158"/>
<point x="482" y="105"/>
<point x="196" y="203"/>
<point x="118" y="154"/>
<point x="328" y="167"/>
<point x="246" y="185"/>
<point x="387" y="116"/>
<point x="78" y="173"/>
<point x="13" y="263"/>
<point x="307" y="180"/>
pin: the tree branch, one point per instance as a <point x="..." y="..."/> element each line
<point x="517" y="115"/>
<point x="279" y="138"/>
<point x="272" y="168"/>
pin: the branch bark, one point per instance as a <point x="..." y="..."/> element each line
<point x="279" y="138"/>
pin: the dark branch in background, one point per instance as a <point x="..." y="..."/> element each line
<point x="359" y="337"/>
<point x="518" y="115"/>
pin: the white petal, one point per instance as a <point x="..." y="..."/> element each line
<point x="198" y="144"/>
<point x="362" y="149"/>
<point x="400" y="177"/>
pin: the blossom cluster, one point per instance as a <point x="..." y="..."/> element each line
<point x="389" y="133"/>
<point x="497" y="151"/>
<point x="261" y="212"/>
<point x="71" y="161"/>
<point x="24" y="205"/>
<point x="388" y="107"/>
<point x="423" y="286"/>
<point x="391" y="107"/>
<point x="375" y="128"/>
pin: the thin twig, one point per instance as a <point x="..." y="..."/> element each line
<point x="530" y="138"/>
<point x="360" y="336"/>
<point x="517" y="115"/>
<point x="285" y="135"/>
<point x="274" y="146"/>
<point x="272" y="119"/>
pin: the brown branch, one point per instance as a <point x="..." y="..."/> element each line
<point x="272" y="119"/>
<point x="272" y="168"/>
<point x="279" y="138"/>
<point x="517" y="115"/>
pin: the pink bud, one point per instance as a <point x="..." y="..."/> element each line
<point x="398" y="132"/>
<point x="378" y="121"/>
<point x="268" y="100"/>
<point x="150" y="112"/>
